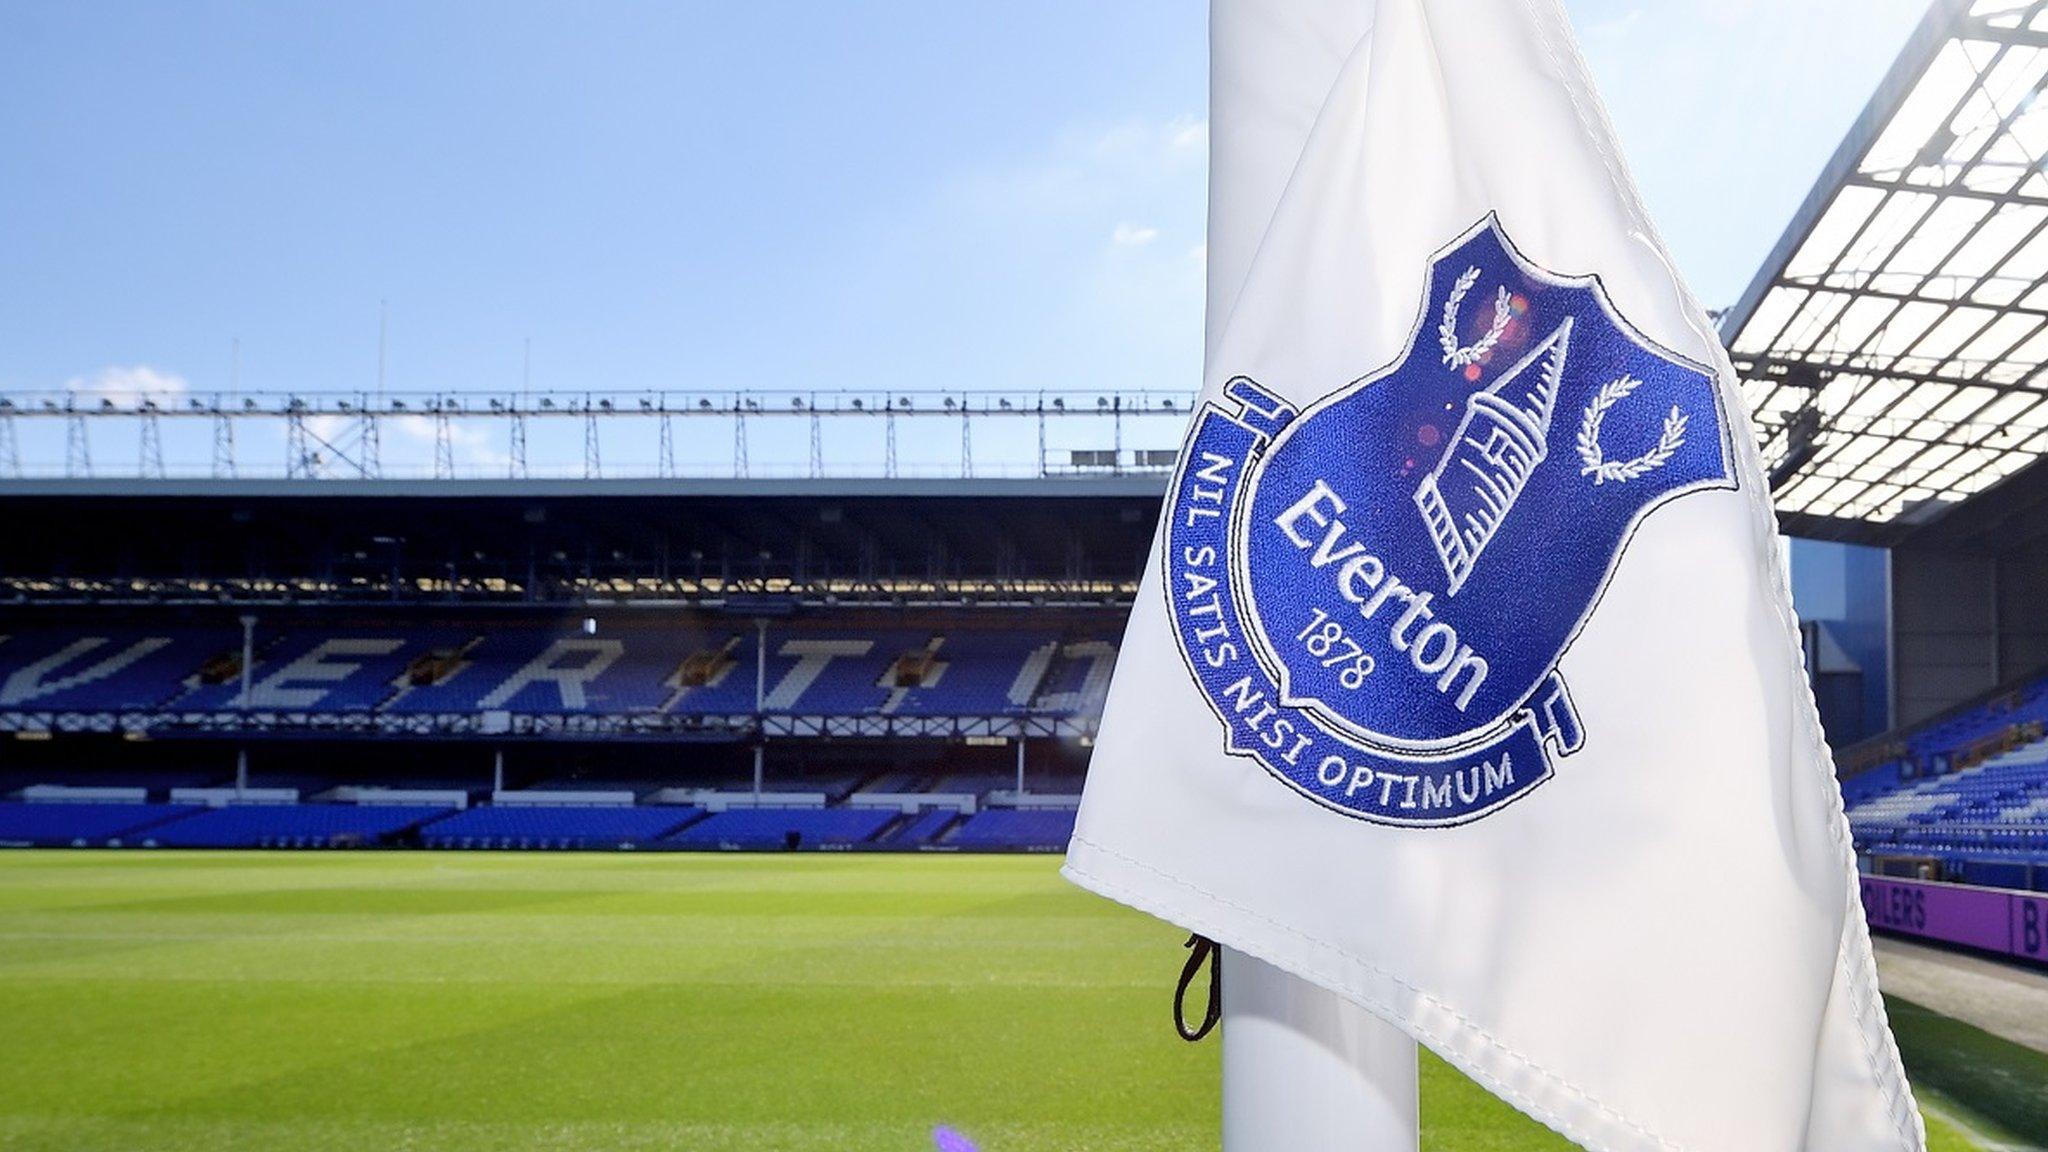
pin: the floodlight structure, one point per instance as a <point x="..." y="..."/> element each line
<point x="339" y="435"/>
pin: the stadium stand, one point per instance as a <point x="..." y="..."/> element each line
<point x="1965" y="798"/>
<point x="541" y="826"/>
<point x="291" y="826"/>
<point x="924" y="828"/>
<point x="1030" y="830"/>
<point x="681" y="669"/>
<point x="549" y="666"/>
<point x="768" y="828"/>
<point x="897" y="782"/>
<point x="833" y="787"/>
<point x="973" y="782"/>
<point x="316" y="678"/>
<point x="94" y="670"/>
<point x="62" y="825"/>
<point x="155" y="783"/>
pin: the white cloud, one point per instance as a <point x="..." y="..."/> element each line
<point x="330" y="427"/>
<point x="1133" y="235"/>
<point x="128" y="386"/>
<point x="1188" y="134"/>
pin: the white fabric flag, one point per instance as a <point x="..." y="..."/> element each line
<point x="1464" y="681"/>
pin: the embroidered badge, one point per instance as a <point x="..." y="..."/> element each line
<point x="1374" y="593"/>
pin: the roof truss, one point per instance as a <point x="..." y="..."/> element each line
<point x="1893" y="350"/>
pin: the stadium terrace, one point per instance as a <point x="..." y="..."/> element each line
<point x="679" y="666"/>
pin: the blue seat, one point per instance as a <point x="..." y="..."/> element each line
<point x="1023" y="829"/>
<point x="61" y="824"/>
<point x="563" y="827"/>
<point x="773" y="828"/>
<point x="292" y="825"/>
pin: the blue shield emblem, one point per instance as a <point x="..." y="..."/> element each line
<point x="1374" y="592"/>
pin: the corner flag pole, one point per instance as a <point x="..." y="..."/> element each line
<point x="1303" y="1068"/>
<point x="1307" y="1070"/>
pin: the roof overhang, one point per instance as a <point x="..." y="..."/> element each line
<point x="1112" y="486"/>
<point x="1893" y="348"/>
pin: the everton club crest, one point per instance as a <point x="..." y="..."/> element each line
<point x="1374" y="593"/>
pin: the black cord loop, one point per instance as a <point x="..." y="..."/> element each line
<point x="1204" y="951"/>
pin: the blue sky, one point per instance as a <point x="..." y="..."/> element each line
<point x="735" y="195"/>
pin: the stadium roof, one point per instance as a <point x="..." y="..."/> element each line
<point x="1893" y="349"/>
<point x="543" y="544"/>
<point x="1149" y="485"/>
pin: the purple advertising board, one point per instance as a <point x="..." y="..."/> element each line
<point x="1994" y="919"/>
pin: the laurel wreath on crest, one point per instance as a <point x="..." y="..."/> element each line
<point x="1458" y="355"/>
<point x="1595" y="460"/>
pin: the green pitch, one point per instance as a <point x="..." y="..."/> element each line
<point x="274" y="1002"/>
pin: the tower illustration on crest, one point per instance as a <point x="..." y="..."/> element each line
<point x="1504" y="435"/>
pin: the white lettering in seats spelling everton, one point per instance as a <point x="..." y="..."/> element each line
<point x="1374" y="593"/>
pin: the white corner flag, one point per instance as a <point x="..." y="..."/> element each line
<point x="1464" y="681"/>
